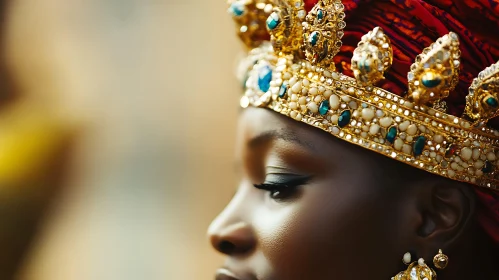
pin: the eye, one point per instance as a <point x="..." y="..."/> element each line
<point x="283" y="190"/>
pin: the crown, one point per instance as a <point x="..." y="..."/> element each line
<point x="294" y="74"/>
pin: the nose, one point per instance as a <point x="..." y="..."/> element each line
<point x="233" y="239"/>
<point x="229" y="233"/>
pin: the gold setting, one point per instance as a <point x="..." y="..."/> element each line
<point x="372" y="57"/>
<point x="483" y="90"/>
<point x="440" y="260"/>
<point x="413" y="129"/>
<point x="436" y="71"/>
<point x="417" y="271"/>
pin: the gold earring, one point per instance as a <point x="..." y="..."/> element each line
<point x="417" y="270"/>
<point x="440" y="260"/>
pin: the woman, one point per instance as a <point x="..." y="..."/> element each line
<point x="341" y="177"/>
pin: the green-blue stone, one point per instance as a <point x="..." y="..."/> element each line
<point x="264" y="78"/>
<point x="237" y="9"/>
<point x="320" y="15"/>
<point x="314" y="37"/>
<point x="431" y="82"/>
<point x="487" y="168"/>
<point x="324" y="107"/>
<point x="365" y="65"/>
<point x="419" y="145"/>
<point x="391" y="134"/>
<point x="283" y="90"/>
<point x="272" y="21"/>
<point x="344" y="118"/>
<point x="492" y="102"/>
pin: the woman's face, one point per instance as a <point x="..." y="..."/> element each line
<point x="309" y="206"/>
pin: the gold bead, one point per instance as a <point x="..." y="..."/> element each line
<point x="440" y="260"/>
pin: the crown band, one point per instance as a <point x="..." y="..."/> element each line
<point x="413" y="129"/>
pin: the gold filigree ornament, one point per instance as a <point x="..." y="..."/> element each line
<point x="284" y="25"/>
<point x="482" y="101"/>
<point x="322" y="32"/>
<point x="436" y="71"/>
<point x="372" y="57"/>
<point x="417" y="271"/>
<point x="250" y="16"/>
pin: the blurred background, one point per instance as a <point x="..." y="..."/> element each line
<point x="117" y="124"/>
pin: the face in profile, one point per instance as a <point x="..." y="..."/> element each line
<point x="308" y="206"/>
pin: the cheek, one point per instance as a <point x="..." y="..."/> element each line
<point x="328" y="231"/>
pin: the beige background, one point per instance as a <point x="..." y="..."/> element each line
<point x="151" y="84"/>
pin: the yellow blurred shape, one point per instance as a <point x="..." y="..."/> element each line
<point x="29" y="142"/>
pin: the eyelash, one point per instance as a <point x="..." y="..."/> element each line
<point x="282" y="191"/>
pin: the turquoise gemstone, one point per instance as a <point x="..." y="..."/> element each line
<point x="264" y="78"/>
<point x="314" y="37"/>
<point x="492" y="102"/>
<point x="324" y="107"/>
<point x="392" y="133"/>
<point x="320" y="15"/>
<point x="237" y="9"/>
<point x="419" y="145"/>
<point x="283" y="90"/>
<point x="431" y="80"/>
<point x="365" y="65"/>
<point x="272" y="21"/>
<point x="344" y="118"/>
<point x="487" y="167"/>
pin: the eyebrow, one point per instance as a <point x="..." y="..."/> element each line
<point x="283" y="135"/>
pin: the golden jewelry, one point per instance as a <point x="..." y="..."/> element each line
<point x="440" y="260"/>
<point x="299" y="80"/>
<point x="417" y="271"/>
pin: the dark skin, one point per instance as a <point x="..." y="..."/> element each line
<point x="346" y="213"/>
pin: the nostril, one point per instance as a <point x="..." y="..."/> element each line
<point x="226" y="247"/>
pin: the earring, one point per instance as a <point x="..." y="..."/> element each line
<point x="417" y="270"/>
<point x="440" y="260"/>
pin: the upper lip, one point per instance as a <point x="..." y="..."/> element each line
<point x="226" y="274"/>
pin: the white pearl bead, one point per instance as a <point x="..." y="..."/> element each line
<point x="412" y="129"/>
<point x="296" y="87"/>
<point x="451" y="173"/>
<point x="406" y="149"/>
<point x="407" y="258"/>
<point x="386" y="121"/>
<point x="438" y="139"/>
<point x="293" y="105"/>
<point x="478" y="164"/>
<point x="491" y="156"/>
<point x="421" y="261"/>
<point x="476" y="154"/>
<point x="302" y="100"/>
<point x="403" y="126"/>
<point x="328" y="93"/>
<point x="374" y="129"/>
<point x="368" y="114"/>
<point x="334" y="102"/>
<point x="466" y="153"/>
<point x="398" y="144"/>
<point x="334" y="119"/>
<point x="313" y="91"/>
<point x="312" y="106"/>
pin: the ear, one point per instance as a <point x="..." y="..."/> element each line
<point x="445" y="209"/>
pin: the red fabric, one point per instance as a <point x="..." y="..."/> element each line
<point x="413" y="25"/>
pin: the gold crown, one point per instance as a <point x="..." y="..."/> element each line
<point x="295" y="76"/>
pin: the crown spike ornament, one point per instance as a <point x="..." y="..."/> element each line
<point x="294" y="75"/>
<point x="436" y="71"/>
<point x="482" y="100"/>
<point x="372" y="57"/>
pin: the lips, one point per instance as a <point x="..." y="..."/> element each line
<point x="227" y="274"/>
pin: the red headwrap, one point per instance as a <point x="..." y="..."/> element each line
<point x="413" y="25"/>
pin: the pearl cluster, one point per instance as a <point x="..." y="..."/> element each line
<point x="373" y="118"/>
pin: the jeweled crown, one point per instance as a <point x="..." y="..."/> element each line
<point x="295" y="75"/>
